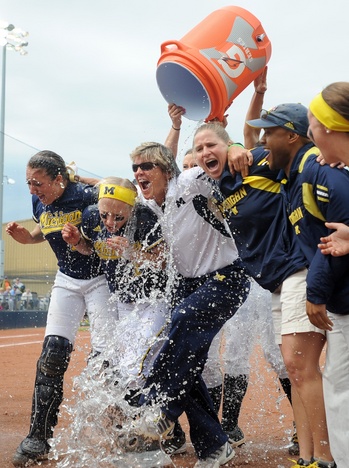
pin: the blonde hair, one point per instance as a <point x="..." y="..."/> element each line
<point x="215" y="127"/>
<point x="158" y="154"/>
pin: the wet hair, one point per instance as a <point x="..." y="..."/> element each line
<point x="50" y="162"/>
<point x="158" y="154"/>
<point x="217" y="128"/>
<point x="336" y="95"/>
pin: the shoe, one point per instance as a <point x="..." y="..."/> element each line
<point x="218" y="458"/>
<point x="236" y="437"/>
<point x="300" y="462"/>
<point x="322" y="464"/>
<point x="165" y="427"/>
<point x="29" y="451"/>
<point x="293" y="449"/>
<point x="175" y="445"/>
<point x="146" y="434"/>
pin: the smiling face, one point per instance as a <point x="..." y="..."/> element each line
<point x="114" y="213"/>
<point x="43" y="186"/>
<point x="210" y="152"/>
<point x="317" y="133"/>
<point x="278" y="141"/>
<point x="152" y="182"/>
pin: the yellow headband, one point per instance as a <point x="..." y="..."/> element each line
<point x="118" y="193"/>
<point x="328" y="116"/>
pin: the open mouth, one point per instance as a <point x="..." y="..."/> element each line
<point x="212" y="164"/>
<point x="144" y="184"/>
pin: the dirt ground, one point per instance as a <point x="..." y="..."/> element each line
<point x="266" y="416"/>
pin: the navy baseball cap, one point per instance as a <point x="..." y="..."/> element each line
<point x="293" y="117"/>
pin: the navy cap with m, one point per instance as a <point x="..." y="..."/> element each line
<point x="293" y="117"/>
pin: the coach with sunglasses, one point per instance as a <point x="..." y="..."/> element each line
<point x="213" y="286"/>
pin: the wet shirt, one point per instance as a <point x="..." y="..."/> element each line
<point x="193" y="227"/>
<point x="255" y="211"/>
<point x="130" y="281"/>
<point x="51" y="219"/>
<point x="315" y="194"/>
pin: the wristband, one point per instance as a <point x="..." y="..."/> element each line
<point x="258" y="92"/>
<point x="78" y="242"/>
<point x="177" y="129"/>
<point x="236" y="144"/>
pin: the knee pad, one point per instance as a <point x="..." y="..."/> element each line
<point x="55" y="356"/>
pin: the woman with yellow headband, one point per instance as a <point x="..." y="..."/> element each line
<point x="329" y="122"/>
<point x="329" y="129"/>
<point x="127" y="238"/>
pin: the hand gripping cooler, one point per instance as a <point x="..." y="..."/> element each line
<point x="213" y="63"/>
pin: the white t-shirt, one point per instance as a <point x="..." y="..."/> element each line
<point x="197" y="235"/>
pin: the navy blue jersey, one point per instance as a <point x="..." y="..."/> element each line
<point x="130" y="281"/>
<point x="256" y="214"/>
<point x="315" y="194"/>
<point x="51" y="219"/>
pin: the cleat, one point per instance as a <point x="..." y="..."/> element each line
<point x="176" y="444"/>
<point x="218" y="458"/>
<point x="165" y="427"/>
<point x="236" y="437"/>
<point x="145" y="434"/>
<point x="322" y="464"/>
<point x="30" y="451"/>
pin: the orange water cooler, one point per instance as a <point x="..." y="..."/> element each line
<point x="213" y="63"/>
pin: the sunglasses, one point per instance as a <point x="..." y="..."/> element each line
<point x="117" y="218"/>
<point x="145" y="166"/>
<point x="265" y="113"/>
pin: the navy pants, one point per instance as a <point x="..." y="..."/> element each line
<point x="207" y="303"/>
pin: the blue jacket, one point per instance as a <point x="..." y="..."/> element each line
<point x="256" y="215"/>
<point x="315" y="194"/>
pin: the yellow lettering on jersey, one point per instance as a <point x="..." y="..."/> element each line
<point x="54" y="222"/>
<point x="296" y="215"/>
<point x="104" y="251"/>
<point x="232" y="200"/>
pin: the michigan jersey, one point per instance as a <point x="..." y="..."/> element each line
<point x="315" y="194"/>
<point x="129" y="280"/>
<point x="254" y="209"/>
<point x="51" y="219"/>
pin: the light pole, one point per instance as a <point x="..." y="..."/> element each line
<point x="10" y="38"/>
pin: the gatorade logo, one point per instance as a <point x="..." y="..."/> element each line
<point x="235" y="55"/>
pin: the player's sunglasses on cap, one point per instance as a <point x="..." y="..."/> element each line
<point x="292" y="117"/>
<point x="145" y="166"/>
<point x="267" y="115"/>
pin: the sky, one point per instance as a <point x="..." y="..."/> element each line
<point x="87" y="87"/>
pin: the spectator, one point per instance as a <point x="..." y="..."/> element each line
<point x="27" y="300"/>
<point x="5" y="283"/>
